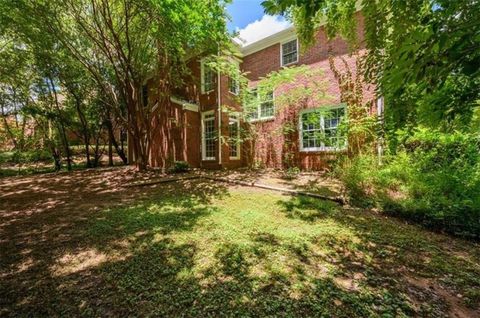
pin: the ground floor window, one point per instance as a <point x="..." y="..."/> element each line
<point x="320" y="129"/>
<point x="234" y="136"/>
<point x="209" y="137"/>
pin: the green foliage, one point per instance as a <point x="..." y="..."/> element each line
<point x="201" y="249"/>
<point x="180" y="167"/>
<point x="294" y="89"/>
<point x="309" y="15"/>
<point x="291" y="173"/>
<point x="97" y="55"/>
<point x="434" y="180"/>
<point x="30" y="156"/>
<point x="422" y="56"/>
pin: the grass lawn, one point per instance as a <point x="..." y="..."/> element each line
<point x="203" y="249"/>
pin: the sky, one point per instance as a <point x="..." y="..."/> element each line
<point x="251" y="22"/>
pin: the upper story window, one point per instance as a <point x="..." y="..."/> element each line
<point x="233" y="86"/>
<point x="319" y="129"/>
<point x="207" y="78"/>
<point x="289" y="52"/>
<point x="262" y="108"/>
<point x="233" y="79"/>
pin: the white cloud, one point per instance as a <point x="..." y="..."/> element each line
<point x="262" y="28"/>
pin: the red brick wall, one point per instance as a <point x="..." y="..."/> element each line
<point x="178" y="133"/>
<point x="271" y="146"/>
<point x="175" y="137"/>
<point x="261" y="63"/>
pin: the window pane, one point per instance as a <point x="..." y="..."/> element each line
<point x="311" y="139"/>
<point x="209" y="136"/>
<point x="315" y="136"/>
<point x="233" y="129"/>
<point x="259" y="106"/>
<point x="289" y="52"/>
<point x="333" y="136"/>
<point x="267" y="109"/>
<point x="233" y="86"/>
<point x="208" y="76"/>
<point x="311" y="121"/>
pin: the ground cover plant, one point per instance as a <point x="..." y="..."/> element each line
<point x="433" y="179"/>
<point x="202" y="248"/>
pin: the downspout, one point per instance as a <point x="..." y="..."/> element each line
<point x="219" y="117"/>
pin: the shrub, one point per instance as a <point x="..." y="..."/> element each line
<point x="180" y="167"/>
<point x="291" y="173"/>
<point x="30" y="156"/>
<point x="434" y="179"/>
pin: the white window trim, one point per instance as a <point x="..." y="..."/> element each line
<point x="202" y="78"/>
<point x="236" y="118"/>
<point x="281" y="52"/>
<point x="204" y="114"/>
<point x="265" y="118"/>
<point x="322" y="125"/>
<point x="238" y="86"/>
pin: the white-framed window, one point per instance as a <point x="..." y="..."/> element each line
<point x="234" y="136"/>
<point x="233" y="86"/>
<point x="209" y="136"/>
<point x="319" y="129"/>
<point x="289" y="52"/>
<point x="262" y="108"/>
<point x="207" y="78"/>
<point x="233" y="81"/>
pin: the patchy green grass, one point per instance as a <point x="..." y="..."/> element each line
<point x="246" y="252"/>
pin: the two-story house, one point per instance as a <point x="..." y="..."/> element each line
<point x="196" y="127"/>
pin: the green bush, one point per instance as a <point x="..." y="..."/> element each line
<point x="291" y="173"/>
<point x="180" y="167"/>
<point x="434" y="179"/>
<point x="30" y="156"/>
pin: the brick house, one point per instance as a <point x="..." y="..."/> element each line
<point x="196" y="127"/>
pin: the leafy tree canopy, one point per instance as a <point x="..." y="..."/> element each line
<point x="423" y="55"/>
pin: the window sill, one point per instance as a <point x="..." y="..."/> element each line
<point x="289" y="64"/>
<point x="208" y="159"/>
<point x="263" y="119"/>
<point x="234" y="158"/>
<point x="323" y="150"/>
<point x="206" y="93"/>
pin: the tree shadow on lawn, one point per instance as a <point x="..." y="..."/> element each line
<point x="429" y="268"/>
<point x="50" y="257"/>
<point x="144" y="259"/>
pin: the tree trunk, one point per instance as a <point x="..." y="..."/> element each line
<point x="66" y="145"/>
<point x="110" y="154"/>
<point x="97" y="155"/>
<point x="85" y="133"/>
<point x="111" y="136"/>
<point x="62" y="129"/>
<point x="56" y="158"/>
<point x="138" y="126"/>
